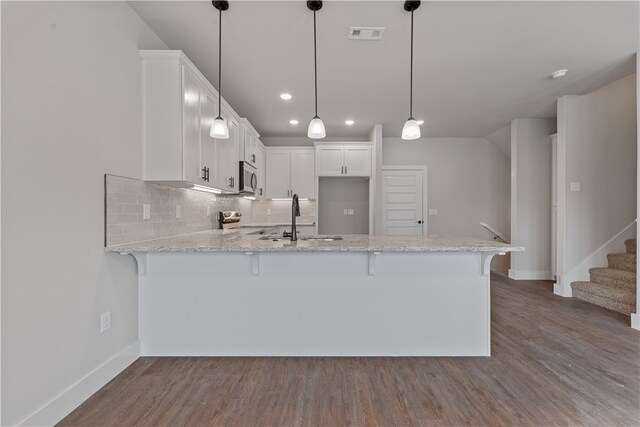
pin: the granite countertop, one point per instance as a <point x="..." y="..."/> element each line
<point x="275" y="224"/>
<point x="235" y="241"/>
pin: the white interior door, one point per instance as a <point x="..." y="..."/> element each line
<point x="402" y="203"/>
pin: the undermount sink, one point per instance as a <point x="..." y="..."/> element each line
<point x="277" y="238"/>
<point x="323" y="238"/>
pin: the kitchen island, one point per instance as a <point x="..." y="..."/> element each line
<point x="230" y="293"/>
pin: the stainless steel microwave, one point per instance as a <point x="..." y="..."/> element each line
<point x="248" y="178"/>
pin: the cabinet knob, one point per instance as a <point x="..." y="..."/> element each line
<point x="419" y="221"/>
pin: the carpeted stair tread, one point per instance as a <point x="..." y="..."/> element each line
<point x="614" y="299"/>
<point x="618" y="294"/>
<point x="622" y="261"/>
<point x="631" y="246"/>
<point x="613" y="277"/>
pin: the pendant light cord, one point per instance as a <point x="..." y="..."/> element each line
<point x="411" y="75"/>
<point x="315" y="61"/>
<point x="220" y="63"/>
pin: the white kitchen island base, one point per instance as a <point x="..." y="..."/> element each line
<point x="314" y="303"/>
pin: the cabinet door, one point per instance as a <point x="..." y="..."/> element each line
<point x="303" y="173"/>
<point x="253" y="150"/>
<point x="330" y="161"/>
<point x="357" y="161"/>
<point x="246" y="138"/>
<point x="262" y="170"/>
<point x="192" y="93"/>
<point x="278" y="174"/>
<point x="233" y="153"/>
<point x="208" y="112"/>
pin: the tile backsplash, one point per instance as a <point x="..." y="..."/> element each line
<point x="126" y="197"/>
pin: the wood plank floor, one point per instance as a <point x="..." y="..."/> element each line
<point x="556" y="361"/>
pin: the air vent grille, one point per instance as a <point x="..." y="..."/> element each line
<point x="366" y="33"/>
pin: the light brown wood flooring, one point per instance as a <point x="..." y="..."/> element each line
<point x="556" y="361"/>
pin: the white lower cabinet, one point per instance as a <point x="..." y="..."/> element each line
<point x="289" y="172"/>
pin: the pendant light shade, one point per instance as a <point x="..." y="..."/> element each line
<point x="219" y="127"/>
<point x="411" y="129"/>
<point x="316" y="127"/>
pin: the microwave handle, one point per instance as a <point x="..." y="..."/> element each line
<point x="254" y="182"/>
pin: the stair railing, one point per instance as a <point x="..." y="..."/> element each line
<point x="496" y="233"/>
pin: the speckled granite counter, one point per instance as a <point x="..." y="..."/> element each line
<point x="240" y="241"/>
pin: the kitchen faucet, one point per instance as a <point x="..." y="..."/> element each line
<point x="295" y="211"/>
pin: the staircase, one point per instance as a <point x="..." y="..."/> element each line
<point x="612" y="287"/>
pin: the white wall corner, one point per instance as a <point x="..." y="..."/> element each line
<point x="63" y="404"/>
<point x="635" y="321"/>
<point x="562" y="290"/>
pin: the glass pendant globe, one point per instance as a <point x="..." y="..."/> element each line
<point x="411" y="129"/>
<point x="219" y="129"/>
<point x="316" y="129"/>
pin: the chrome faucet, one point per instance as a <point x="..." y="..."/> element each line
<point x="295" y="211"/>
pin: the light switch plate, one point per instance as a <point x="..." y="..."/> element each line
<point x="146" y="211"/>
<point x="268" y="212"/>
<point x="433" y="211"/>
<point x="345" y="212"/>
<point x="178" y="211"/>
<point x="575" y="186"/>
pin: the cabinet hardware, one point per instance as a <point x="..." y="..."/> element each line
<point x="207" y="174"/>
<point x="253" y="158"/>
<point x="345" y="170"/>
<point x="231" y="181"/>
<point x="261" y="191"/>
<point x="341" y="170"/>
<point x="419" y="221"/>
<point x="204" y="173"/>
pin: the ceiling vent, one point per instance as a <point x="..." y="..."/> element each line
<point x="366" y="33"/>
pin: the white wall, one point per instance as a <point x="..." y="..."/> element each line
<point x="71" y="109"/>
<point x="599" y="134"/>
<point x="531" y="198"/>
<point x="468" y="183"/>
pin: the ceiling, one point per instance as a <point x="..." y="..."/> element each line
<point x="477" y="64"/>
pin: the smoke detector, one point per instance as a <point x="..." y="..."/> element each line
<point x="366" y="33"/>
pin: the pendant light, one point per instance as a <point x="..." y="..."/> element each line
<point x="219" y="127"/>
<point x="411" y="129"/>
<point x="316" y="127"/>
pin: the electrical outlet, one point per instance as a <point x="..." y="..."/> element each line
<point x="178" y="211"/>
<point x="345" y="212"/>
<point x="146" y="211"/>
<point x="350" y="212"/>
<point x="575" y="186"/>
<point x="433" y="211"/>
<point x="105" y="321"/>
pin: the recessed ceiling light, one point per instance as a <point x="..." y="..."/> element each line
<point x="558" y="74"/>
<point x="420" y="122"/>
<point x="293" y="122"/>
<point x="285" y="96"/>
<point x="348" y="122"/>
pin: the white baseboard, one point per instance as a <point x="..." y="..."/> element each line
<point x="530" y="275"/>
<point x="635" y="320"/>
<point x="562" y="291"/>
<point x="62" y="405"/>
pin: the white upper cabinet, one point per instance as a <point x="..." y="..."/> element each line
<point x="249" y="142"/>
<point x="262" y="168"/>
<point x="289" y="172"/>
<point x="179" y="106"/>
<point x="343" y="160"/>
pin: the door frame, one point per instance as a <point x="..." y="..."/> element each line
<point x="425" y="210"/>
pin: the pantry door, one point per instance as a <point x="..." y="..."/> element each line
<point x="404" y="201"/>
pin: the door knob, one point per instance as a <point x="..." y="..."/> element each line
<point x="419" y="221"/>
